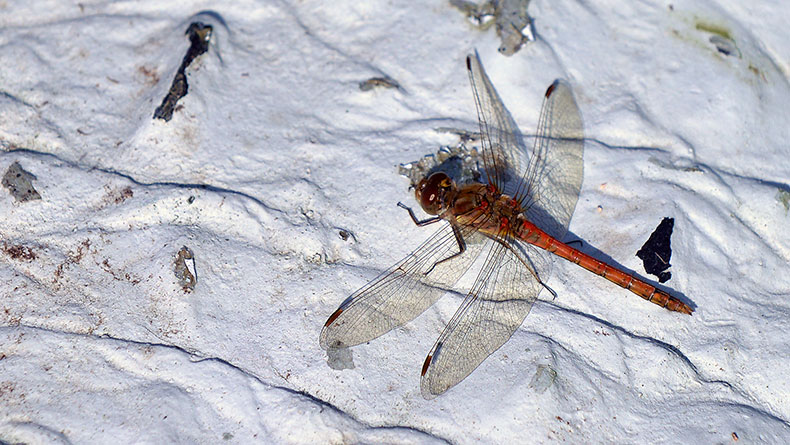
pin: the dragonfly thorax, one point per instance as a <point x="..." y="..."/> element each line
<point x="435" y="193"/>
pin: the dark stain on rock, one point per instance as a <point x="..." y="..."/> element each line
<point x="378" y="82"/>
<point x="19" y="252"/>
<point x="124" y="194"/>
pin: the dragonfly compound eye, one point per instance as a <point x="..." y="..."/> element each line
<point x="431" y="192"/>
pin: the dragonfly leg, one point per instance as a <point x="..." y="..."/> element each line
<point x="461" y="248"/>
<point x="424" y="222"/>
<point x="510" y="247"/>
<point x="551" y="291"/>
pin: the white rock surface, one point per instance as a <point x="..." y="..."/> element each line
<point x="275" y="150"/>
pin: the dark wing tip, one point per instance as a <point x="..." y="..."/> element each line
<point x="552" y="87"/>
<point x="426" y="364"/>
<point x="469" y="62"/>
<point x="333" y="317"/>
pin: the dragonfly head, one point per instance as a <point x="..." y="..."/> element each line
<point x="433" y="193"/>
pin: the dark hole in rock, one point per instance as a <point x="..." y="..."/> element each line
<point x="199" y="36"/>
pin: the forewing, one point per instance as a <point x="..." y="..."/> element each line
<point x="553" y="179"/>
<point x="504" y="152"/>
<point x="500" y="299"/>
<point x="402" y="292"/>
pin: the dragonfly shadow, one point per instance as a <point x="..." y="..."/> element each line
<point x="599" y="255"/>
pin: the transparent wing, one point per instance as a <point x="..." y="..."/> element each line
<point x="553" y="179"/>
<point x="402" y="292"/>
<point x="552" y="173"/>
<point x="500" y="299"/>
<point x="504" y="153"/>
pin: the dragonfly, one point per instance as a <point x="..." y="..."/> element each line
<point x="511" y="223"/>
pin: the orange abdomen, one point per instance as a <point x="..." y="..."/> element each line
<point x="532" y="234"/>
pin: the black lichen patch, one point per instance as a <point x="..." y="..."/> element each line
<point x="20" y="183"/>
<point x="185" y="269"/>
<point x="199" y="35"/>
<point x="656" y="252"/>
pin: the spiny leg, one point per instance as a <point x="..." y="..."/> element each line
<point x="456" y="231"/>
<point x="424" y="222"/>
<point x="461" y="248"/>
<point x="529" y="268"/>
